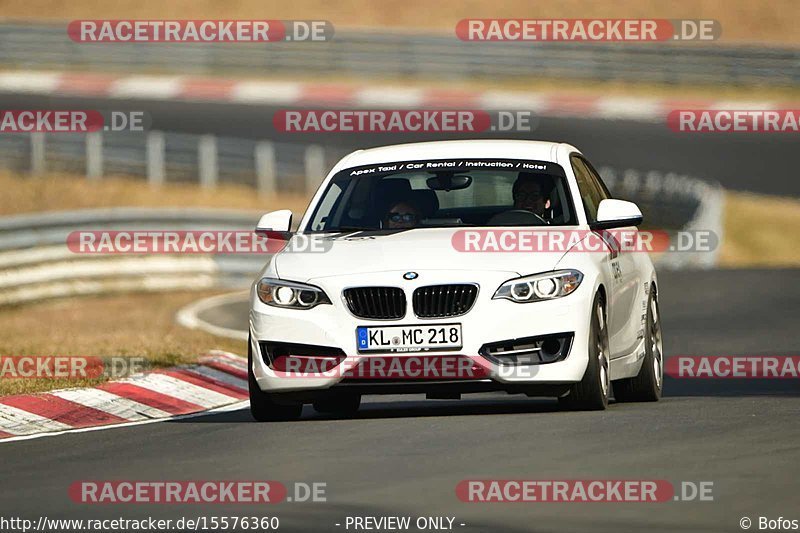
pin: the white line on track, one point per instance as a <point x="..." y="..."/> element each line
<point x="188" y="316"/>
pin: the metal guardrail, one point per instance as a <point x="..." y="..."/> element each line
<point x="161" y="157"/>
<point x="36" y="263"/>
<point x="364" y="54"/>
<point x="674" y="202"/>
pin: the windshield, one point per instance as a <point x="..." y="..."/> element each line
<point x="445" y="193"/>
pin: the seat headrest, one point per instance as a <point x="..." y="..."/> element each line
<point x="426" y="201"/>
<point x="391" y="190"/>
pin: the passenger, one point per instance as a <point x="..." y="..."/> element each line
<point x="401" y="215"/>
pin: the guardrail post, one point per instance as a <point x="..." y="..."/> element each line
<point x="155" y="158"/>
<point x="265" y="168"/>
<point x="37" y="153"/>
<point x="314" y="165"/>
<point x="94" y="155"/>
<point x="207" y="161"/>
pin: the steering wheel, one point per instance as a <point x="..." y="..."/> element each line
<point x="517" y="217"/>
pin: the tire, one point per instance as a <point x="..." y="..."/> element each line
<point x="649" y="383"/>
<point x="263" y="406"/>
<point x="591" y="392"/>
<point x="338" y="404"/>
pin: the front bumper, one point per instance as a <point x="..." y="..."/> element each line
<point x="489" y="321"/>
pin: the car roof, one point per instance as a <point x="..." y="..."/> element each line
<point x="488" y="149"/>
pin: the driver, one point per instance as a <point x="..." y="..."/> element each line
<point x="530" y="193"/>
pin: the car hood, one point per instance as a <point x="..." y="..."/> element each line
<point x="411" y="250"/>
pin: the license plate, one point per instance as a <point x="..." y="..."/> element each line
<point x="420" y="338"/>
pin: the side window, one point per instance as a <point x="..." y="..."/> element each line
<point x="601" y="186"/>
<point x="590" y="189"/>
<point x="325" y="208"/>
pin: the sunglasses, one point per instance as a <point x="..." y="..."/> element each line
<point x="401" y="217"/>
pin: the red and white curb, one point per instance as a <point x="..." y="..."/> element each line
<point x="303" y="94"/>
<point x="218" y="380"/>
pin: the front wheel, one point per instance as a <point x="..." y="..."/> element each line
<point x="648" y="384"/>
<point x="263" y="406"/>
<point x="591" y="392"/>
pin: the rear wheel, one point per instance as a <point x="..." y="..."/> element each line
<point x="263" y="405"/>
<point x="338" y="404"/>
<point x="591" y="392"/>
<point x="648" y="384"/>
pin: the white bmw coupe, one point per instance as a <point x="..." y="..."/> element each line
<point x="452" y="267"/>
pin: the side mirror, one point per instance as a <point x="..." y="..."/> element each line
<point x="616" y="214"/>
<point x="275" y="222"/>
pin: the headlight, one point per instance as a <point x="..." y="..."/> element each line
<point x="289" y="294"/>
<point x="545" y="286"/>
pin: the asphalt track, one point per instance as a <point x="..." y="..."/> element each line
<point x="405" y="455"/>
